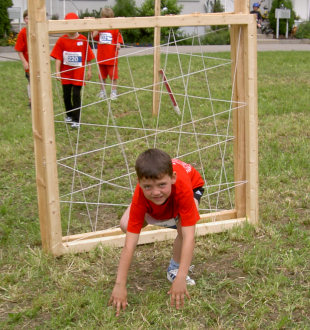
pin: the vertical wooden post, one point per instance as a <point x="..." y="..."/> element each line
<point x="238" y="75"/>
<point x="156" y="65"/>
<point x="43" y="128"/>
<point x="244" y="71"/>
<point x="251" y="127"/>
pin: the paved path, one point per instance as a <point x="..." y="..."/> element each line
<point x="8" y="53"/>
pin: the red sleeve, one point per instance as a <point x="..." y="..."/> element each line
<point x="120" y="38"/>
<point x="196" y="178"/>
<point x="185" y="198"/>
<point x="137" y="211"/>
<point x="187" y="210"/>
<point x="57" y="50"/>
<point x="90" y="54"/>
<point x="21" y="42"/>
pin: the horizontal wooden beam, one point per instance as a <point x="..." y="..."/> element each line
<point x="214" y="216"/>
<point x="220" y="215"/>
<point x="198" y="19"/>
<point x="149" y="236"/>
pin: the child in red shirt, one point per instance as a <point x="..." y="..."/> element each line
<point x="71" y="52"/>
<point x="167" y="194"/>
<point x="22" y="49"/>
<point x="108" y="46"/>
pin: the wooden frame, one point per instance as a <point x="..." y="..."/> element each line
<point x="243" y="29"/>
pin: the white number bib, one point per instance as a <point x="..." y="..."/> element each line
<point x="72" y="58"/>
<point x="105" y="38"/>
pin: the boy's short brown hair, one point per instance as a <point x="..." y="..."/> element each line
<point x="25" y="14"/>
<point x="107" y="13"/>
<point x="153" y="164"/>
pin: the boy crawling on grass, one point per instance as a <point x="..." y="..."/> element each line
<point x="167" y="195"/>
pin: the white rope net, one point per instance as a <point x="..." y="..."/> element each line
<point x="96" y="161"/>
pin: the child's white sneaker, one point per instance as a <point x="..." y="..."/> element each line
<point x="172" y="274"/>
<point x="75" y="124"/>
<point x="102" y="95"/>
<point x="68" y="119"/>
<point x="113" y="95"/>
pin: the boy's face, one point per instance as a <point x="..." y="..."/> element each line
<point x="157" y="190"/>
<point x="26" y="19"/>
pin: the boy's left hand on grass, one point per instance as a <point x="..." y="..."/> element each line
<point x="177" y="293"/>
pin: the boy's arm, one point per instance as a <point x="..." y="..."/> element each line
<point x="95" y="33"/>
<point x="89" y="71"/>
<point x="57" y="69"/>
<point x="23" y="60"/>
<point x="178" y="288"/>
<point x="118" y="297"/>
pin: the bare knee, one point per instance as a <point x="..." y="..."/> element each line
<point x="124" y="220"/>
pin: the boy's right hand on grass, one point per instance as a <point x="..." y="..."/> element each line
<point x="178" y="292"/>
<point x="118" y="298"/>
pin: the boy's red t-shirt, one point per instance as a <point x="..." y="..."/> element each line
<point x="107" y="51"/>
<point x="72" y="53"/>
<point x="21" y="43"/>
<point x="180" y="202"/>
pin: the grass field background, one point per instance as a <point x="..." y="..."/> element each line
<point x="246" y="278"/>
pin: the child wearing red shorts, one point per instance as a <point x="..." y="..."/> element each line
<point x="107" y="55"/>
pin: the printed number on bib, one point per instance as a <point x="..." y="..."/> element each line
<point x="105" y="38"/>
<point x="72" y="58"/>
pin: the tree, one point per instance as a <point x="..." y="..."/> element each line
<point x="282" y="23"/>
<point x="127" y="8"/>
<point x="5" y="23"/>
<point x="168" y="7"/>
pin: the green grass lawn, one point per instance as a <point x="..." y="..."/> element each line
<point x="246" y="278"/>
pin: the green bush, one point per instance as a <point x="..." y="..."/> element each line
<point x="221" y="37"/>
<point x="282" y="23"/>
<point x="5" y="24"/>
<point x="303" y="31"/>
<point x="217" y="8"/>
<point x="147" y="9"/>
<point x="93" y="13"/>
<point x="127" y="8"/>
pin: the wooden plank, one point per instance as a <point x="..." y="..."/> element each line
<point x="156" y="62"/>
<point x="238" y="75"/>
<point x="43" y="127"/>
<point x="151" y="236"/>
<point x="242" y="6"/>
<point x="198" y="19"/>
<point x="214" y="216"/>
<point x="251" y="128"/>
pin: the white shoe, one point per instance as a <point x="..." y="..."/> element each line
<point x="75" y="124"/>
<point x="172" y="274"/>
<point x="68" y="119"/>
<point x="102" y="95"/>
<point x="113" y="95"/>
